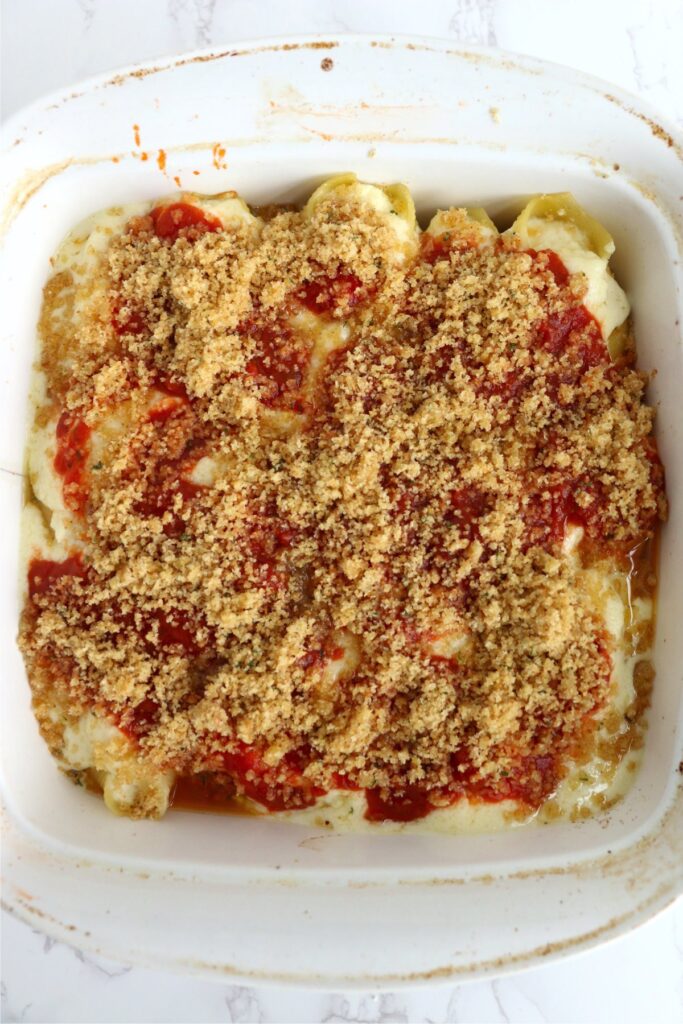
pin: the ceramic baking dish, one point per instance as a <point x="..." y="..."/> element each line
<point x="260" y="899"/>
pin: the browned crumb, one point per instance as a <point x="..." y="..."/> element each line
<point x="410" y="493"/>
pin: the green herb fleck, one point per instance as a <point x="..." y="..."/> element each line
<point x="98" y="465"/>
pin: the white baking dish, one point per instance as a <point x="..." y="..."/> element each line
<point x="255" y="898"/>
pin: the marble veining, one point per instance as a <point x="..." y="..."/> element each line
<point x="636" y="43"/>
<point x="472" y="22"/>
<point x="200" y="12"/>
<point x="635" y="980"/>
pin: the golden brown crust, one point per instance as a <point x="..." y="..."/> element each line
<point x="413" y="497"/>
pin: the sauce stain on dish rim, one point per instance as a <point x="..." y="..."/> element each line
<point x="492" y="58"/>
<point x="548" y="952"/>
<point x="631" y="862"/>
<point x="29" y="184"/>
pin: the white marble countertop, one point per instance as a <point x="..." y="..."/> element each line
<point x="47" y="44"/>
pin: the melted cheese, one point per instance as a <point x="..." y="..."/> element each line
<point x="345" y="812"/>
<point x="483" y="228"/>
<point x="393" y="202"/>
<point x="228" y="207"/>
<point x="93" y="743"/>
<point x="558" y="223"/>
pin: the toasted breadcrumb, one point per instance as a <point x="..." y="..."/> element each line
<point x="409" y="484"/>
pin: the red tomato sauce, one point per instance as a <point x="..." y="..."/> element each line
<point x="173" y="629"/>
<point x="176" y="629"/>
<point x="531" y="783"/>
<point x="206" y="791"/>
<point x="509" y="389"/>
<point x="160" y="499"/>
<point x="243" y="772"/>
<point x="171" y="387"/>
<point x="326" y="294"/>
<point x="532" y="780"/>
<point x="170" y="477"/>
<point x="170" y="220"/>
<point x="264" y="547"/>
<point x="139" y="721"/>
<point x="411" y="805"/>
<point x="264" y="784"/>
<point x="441" y="362"/>
<point x="70" y="461"/>
<point x="44" y="573"/>
<point x="319" y="656"/>
<point x="341" y="781"/>
<point x="554" y="263"/>
<point x="550" y="511"/>
<point x="434" y="247"/>
<point x="577" y="329"/>
<point x="279" y="365"/>
<point x="467" y="506"/>
<point x="132" y="321"/>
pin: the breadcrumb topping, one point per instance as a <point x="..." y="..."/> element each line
<point x="308" y="437"/>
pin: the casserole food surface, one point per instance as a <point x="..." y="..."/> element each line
<point x="339" y="519"/>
